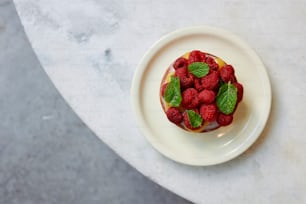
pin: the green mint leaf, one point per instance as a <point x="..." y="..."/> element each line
<point x="227" y="98"/>
<point x="173" y="92"/>
<point x="198" y="69"/>
<point x="195" y="119"/>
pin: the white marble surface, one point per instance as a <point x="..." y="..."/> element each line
<point x="90" y="50"/>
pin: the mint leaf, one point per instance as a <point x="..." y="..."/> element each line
<point x="227" y="98"/>
<point x="198" y="69"/>
<point x="195" y="119"/>
<point x="173" y="92"/>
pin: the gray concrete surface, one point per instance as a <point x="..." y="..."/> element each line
<point x="47" y="155"/>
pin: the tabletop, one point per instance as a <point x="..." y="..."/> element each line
<point x="90" y="50"/>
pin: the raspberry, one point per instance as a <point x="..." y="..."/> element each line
<point x="227" y="73"/>
<point x="214" y="66"/>
<point x="203" y="56"/>
<point x="206" y="96"/>
<point x="209" y="81"/>
<point x="224" y="120"/>
<point x="174" y="115"/>
<point x="186" y="79"/>
<point x="187" y="121"/>
<point x="186" y="82"/>
<point x="209" y="60"/>
<point x="196" y="56"/>
<point x="190" y="98"/>
<point x="181" y="72"/>
<point x="180" y="63"/>
<point x="208" y="112"/>
<point x="163" y="89"/>
<point x="198" y="84"/>
<point x="239" y="91"/>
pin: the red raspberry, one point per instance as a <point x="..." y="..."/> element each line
<point x="163" y="89"/>
<point x="214" y="66"/>
<point x="209" y="81"/>
<point x="227" y="73"/>
<point x="196" y="56"/>
<point x="180" y="63"/>
<point x="224" y="120"/>
<point x="186" y="79"/>
<point x="208" y="112"/>
<point x="198" y="84"/>
<point x="206" y="96"/>
<point x="174" y="115"/>
<point x="181" y="72"/>
<point x="190" y="98"/>
<point x="239" y="91"/>
<point x="187" y="121"/>
<point x="203" y="56"/>
<point x="209" y="60"/>
<point x="186" y="82"/>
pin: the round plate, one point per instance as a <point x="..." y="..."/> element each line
<point x="216" y="146"/>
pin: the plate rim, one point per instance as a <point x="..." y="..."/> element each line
<point x="141" y="68"/>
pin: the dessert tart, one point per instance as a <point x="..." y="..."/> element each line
<point x="199" y="92"/>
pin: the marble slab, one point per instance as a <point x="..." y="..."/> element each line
<point x="90" y="50"/>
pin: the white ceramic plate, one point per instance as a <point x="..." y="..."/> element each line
<point x="216" y="146"/>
